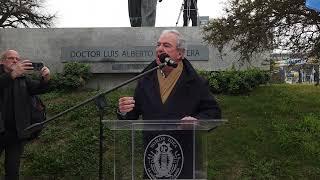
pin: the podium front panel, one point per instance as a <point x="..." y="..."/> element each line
<point x="159" y="150"/>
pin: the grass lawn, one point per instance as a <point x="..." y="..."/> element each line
<point x="272" y="133"/>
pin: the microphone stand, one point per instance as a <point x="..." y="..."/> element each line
<point x="101" y="103"/>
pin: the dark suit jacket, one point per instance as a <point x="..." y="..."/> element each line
<point x="189" y="97"/>
<point x="17" y="93"/>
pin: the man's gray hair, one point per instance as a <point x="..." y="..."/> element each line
<point x="3" y="55"/>
<point x="181" y="42"/>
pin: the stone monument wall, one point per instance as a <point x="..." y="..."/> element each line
<point x="114" y="54"/>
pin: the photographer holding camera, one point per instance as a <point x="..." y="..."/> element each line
<point x="15" y="106"/>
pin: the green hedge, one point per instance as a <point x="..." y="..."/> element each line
<point x="74" y="76"/>
<point x="235" y="82"/>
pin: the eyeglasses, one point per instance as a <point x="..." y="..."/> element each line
<point x="13" y="58"/>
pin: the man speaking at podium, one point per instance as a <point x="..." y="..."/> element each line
<point x="170" y="93"/>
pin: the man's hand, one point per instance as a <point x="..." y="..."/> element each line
<point x="189" y="119"/>
<point x="18" y="69"/>
<point x="45" y="73"/>
<point x="188" y="122"/>
<point x="126" y="104"/>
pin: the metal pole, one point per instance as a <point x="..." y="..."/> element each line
<point x="39" y="125"/>
<point x="101" y="138"/>
<point x="181" y="9"/>
<point x="101" y="103"/>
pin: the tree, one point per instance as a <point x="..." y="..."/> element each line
<point x="24" y="13"/>
<point x="255" y="26"/>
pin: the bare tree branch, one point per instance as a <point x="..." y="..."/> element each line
<point x="24" y="13"/>
<point x="262" y="25"/>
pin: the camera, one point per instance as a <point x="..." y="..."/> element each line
<point x="37" y="66"/>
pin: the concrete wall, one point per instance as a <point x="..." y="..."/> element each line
<point x="48" y="45"/>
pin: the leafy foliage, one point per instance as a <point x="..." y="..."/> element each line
<point x="254" y="26"/>
<point x="235" y="82"/>
<point x="24" y="13"/>
<point x="74" y="76"/>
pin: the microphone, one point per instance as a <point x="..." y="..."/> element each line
<point x="165" y="58"/>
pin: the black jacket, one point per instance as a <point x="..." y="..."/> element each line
<point x="17" y="93"/>
<point x="189" y="97"/>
